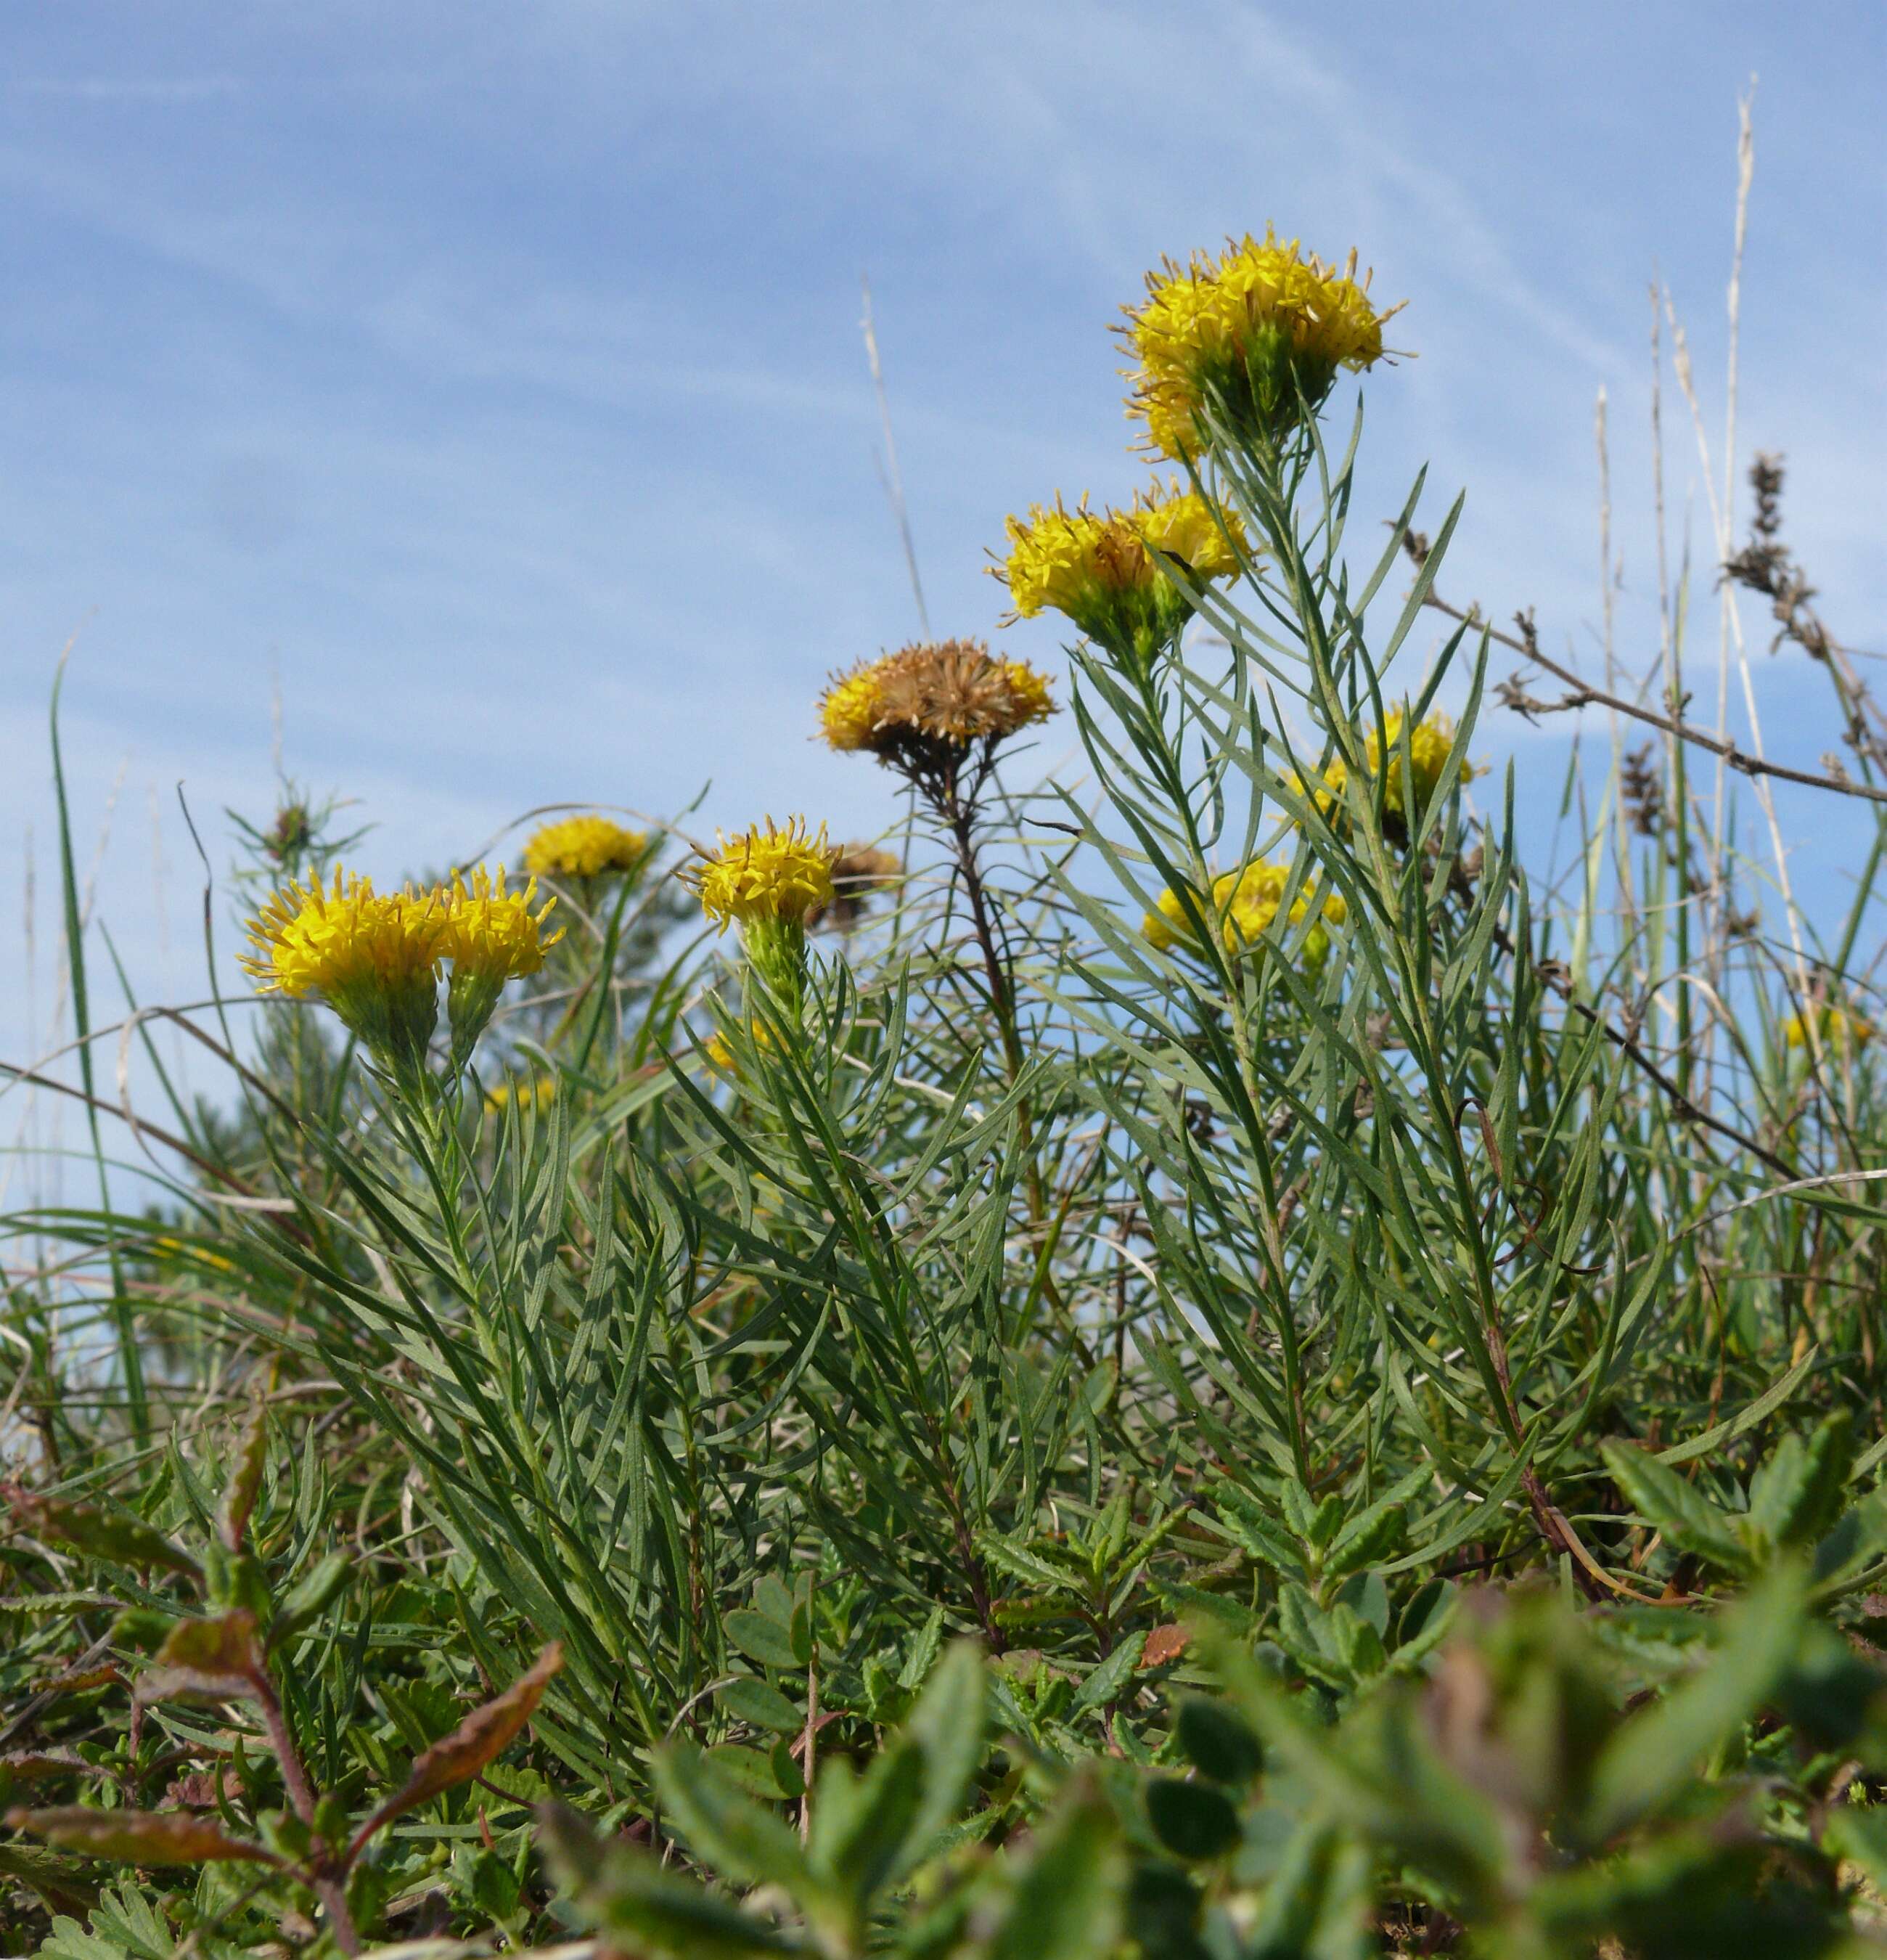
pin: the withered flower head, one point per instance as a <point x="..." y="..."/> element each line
<point x="944" y="693"/>
<point x="859" y="872"/>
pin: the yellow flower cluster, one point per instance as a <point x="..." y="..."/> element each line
<point x="1104" y="570"/>
<point x="537" y="1094"/>
<point x="310" y="941"/>
<point x="375" y="958"/>
<point x="1840" y="1029"/>
<point x="1247" y="901"/>
<point x="849" y="709"/>
<point x="491" y="934"/>
<point x="1431" y="744"/>
<point x="1256" y="334"/>
<point x="191" y="1254"/>
<point x="583" y="846"/>
<point x="948" y="692"/>
<point x="766" y="874"/>
<point x="720" y="1057"/>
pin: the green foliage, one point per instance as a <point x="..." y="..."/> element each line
<point x="1048" y="1438"/>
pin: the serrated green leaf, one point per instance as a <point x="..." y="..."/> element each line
<point x="1369" y="1538"/>
<point x="1796" y="1495"/>
<point x="111" y="1535"/>
<point x="1107" y="1681"/>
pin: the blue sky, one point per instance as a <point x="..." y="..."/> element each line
<point x="492" y="373"/>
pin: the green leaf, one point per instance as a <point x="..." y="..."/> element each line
<point x="1106" y="1682"/>
<point x="217" y="1659"/>
<point x="114" y="1534"/>
<point x="1657" y="1754"/>
<point x="1249" y="1528"/>
<point x="60" y="1887"/>
<point x="1022" y="1562"/>
<point x="1192" y="1820"/>
<point x="245" y="1479"/>
<point x="862" y="1843"/>
<point x="1217" y="1742"/>
<point x="1066" y="1905"/>
<point x="951" y="1721"/>
<point x="749" y="1699"/>
<point x="1163" y="1912"/>
<point x="1305" y="1633"/>
<point x="1317" y="1904"/>
<point x="764" y="1640"/>
<point x="621" y="1889"/>
<point x="1358" y="1643"/>
<point x="485" y="1733"/>
<point x="1663" y="1498"/>
<point x="1797" y="1494"/>
<point x="1425" y="1622"/>
<point x="1370" y="1537"/>
<point x="315" y="1591"/>
<point x="761" y="1773"/>
<point x="787" y="1775"/>
<point x="725" y="1830"/>
<point x="922" y="1651"/>
<point x="1856" y="1544"/>
<point x="1713" y="1438"/>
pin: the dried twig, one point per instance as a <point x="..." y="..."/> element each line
<point x="1582" y="694"/>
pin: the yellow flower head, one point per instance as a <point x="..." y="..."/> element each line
<point x="539" y="1094"/>
<point x="1839" y="1028"/>
<point x="583" y="846"/>
<point x="1104" y="570"/>
<point x="849" y="710"/>
<point x="1246" y="903"/>
<point x="1255" y="333"/>
<point x="309" y="942"/>
<point x="935" y="694"/>
<point x="766" y="874"/>
<point x="491" y="935"/>
<point x="373" y="960"/>
<point x="492" y="932"/>
<point x="1326" y="791"/>
<point x="191" y="1253"/>
<point x="1028" y="692"/>
<point x="1430" y="744"/>
<point x="722" y="1059"/>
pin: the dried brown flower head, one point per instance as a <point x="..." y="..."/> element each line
<point x="952" y="693"/>
<point x="859" y="872"/>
